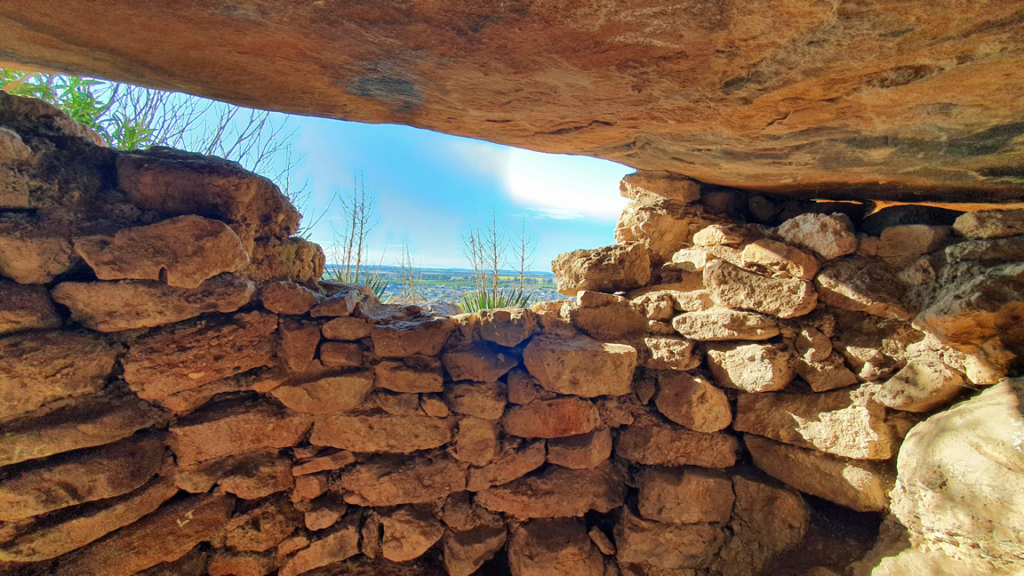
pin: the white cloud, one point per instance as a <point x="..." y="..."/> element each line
<point x="478" y="156"/>
<point x="561" y="186"/>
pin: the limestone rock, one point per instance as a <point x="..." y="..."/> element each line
<point x="828" y="374"/>
<point x="990" y="224"/>
<point x="483" y="400"/>
<point x="828" y="235"/>
<point x="581" y="366"/>
<point x="187" y="355"/>
<point x="333" y="461"/>
<point x="31" y="253"/>
<point x="224" y="563"/>
<point x="813" y="345"/>
<point x="751" y="367"/>
<point x="581" y="452"/>
<point x="259" y="380"/>
<point x="735" y="287"/>
<point x="416" y="373"/>
<point x="523" y="388"/>
<point x="291" y="259"/>
<point x="691" y="259"/>
<point x="157" y="252"/>
<point x="222" y="430"/>
<point x="995" y="250"/>
<point x="165" y="535"/>
<point x="553" y="547"/>
<point x="384" y="433"/>
<point x="408" y="533"/>
<point x="718" y="235"/>
<point x="478" y="363"/>
<point x="922" y="386"/>
<point x="960" y="478"/>
<point x="81" y="477"/>
<point x="433" y="405"/>
<point x="307" y="488"/>
<point x="340" y="304"/>
<point x="258" y="477"/>
<point x="405" y="338"/>
<point x="25" y="308"/>
<point x="42" y="367"/>
<point x="670" y="353"/>
<point x="465" y="552"/>
<point x="661" y="226"/>
<point x="780" y="258"/>
<point x="660" y="444"/>
<point x="347" y="329"/>
<point x="692" y="402"/>
<point x="390" y="481"/>
<point x="288" y="298"/>
<point x="667" y="185"/>
<point x="558" y="418"/>
<point x="476" y="442"/>
<point x="323" y="514"/>
<point x="666" y="546"/>
<point x="514" y="462"/>
<point x="193" y="563"/>
<point x="325" y="395"/>
<point x="607" y="269"/>
<point x="342" y="542"/>
<point x="263" y="527"/>
<point x="910" y="240"/>
<point x="845" y="423"/>
<point x="861" y="285"/>
<point x="606" y="316"/>
<point x="131" y="304"/>
<point x="724" y="324"/>
<point x="685" y="496"/>
<point x="507" y="326"/>
<point x="558" y="492"/>
<point x="862" y="486"/>
<point x="341" y="354"/>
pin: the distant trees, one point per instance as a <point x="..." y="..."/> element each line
<point x="487" y="248"/>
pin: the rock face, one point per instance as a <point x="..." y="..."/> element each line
<point x="581" y="366"/>
<point x="828" y="235"/>
<point x="25" y="308"/>
<point x="607" y="269"/>
<point x="558" y="492"/>
<point x="734" y="287"/>
<point x="556" y="547"/>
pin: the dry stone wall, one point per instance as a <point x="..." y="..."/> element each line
<point x="181" y="396"/>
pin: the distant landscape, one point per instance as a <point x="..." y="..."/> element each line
<point x="450" y="284"/>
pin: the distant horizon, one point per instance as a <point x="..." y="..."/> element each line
<point x="393" y="267"/>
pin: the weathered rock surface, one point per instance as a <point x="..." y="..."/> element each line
<point x="466" y="551"/>
<point x="514" y="462"/>
<point x="390" y="480"/>
<point x="341" y="354"/>
<point x="224" y="563"/>
<point x="131" y="304"/>
<point x="581" y="366"/>
<point x="219" y="431"/>
<point x="555" y="547"/>
<point x="292" y="259"/>
<point x="670" y="353"/>
<point x="990" y="224"/>
<point x="342" y="542"/>
<point x="780" y="258"/>
<point x="921" y="386"/>
<point x="408" y="533"/>
<point x="416" y="373"/>
<point x="483" y="400"/>
<point x="384" y="433"/>
<point x="478" y="363"/>
<point x="861" y="285"/>
<point x="187" y="355"/>
<point x="685" y="496"/>
<point x="259" y="380"/>
<point x="39" y="368"/>
<point x="507" y="326"/>
<point x="661" y="226"/>
<point x="751" y="367"/>
<point x="856" y="484"/>
<point x="31" y="253"/>
<point x="346" y="328"/>
<point x="607" y="269"/>
<point x="25" y="308"/>
<point x="660" y="183"/>
<point x="659" y="444"/>
<point x="734" y="287"/>
<point x="995" y="250"/>
<point x="558" y="492"/>
<point x="264" y="526"/>
<point x="156" y="252"/>
<point x="606" y="316"/>
<point x="959" y="488"/>
<point x="558" y="418"/>
<point x="581" y="452"/>
<point x="828" y="374"/>
<point x="257" y="476"/>
<point x="910" y="240"/>
<point x="332" y="394"/>
<point x="692" y="402"/>
<point x="405" y="338"/>
<point x="828" y="235"/>
<point x="288" y="298"/>
<point x="725" y="324"/>
<point x="476" y="442"/>
<point x="658" y="545"/>
<point x="845" y="423"/>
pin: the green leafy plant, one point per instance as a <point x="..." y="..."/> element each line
<point x="481" y="299"/>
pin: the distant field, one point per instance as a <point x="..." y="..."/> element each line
<point x="450" y="284"/>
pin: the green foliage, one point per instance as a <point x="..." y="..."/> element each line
<point x="378" y="285"/>
<point x="79" y="98"/>
<point x="484" y="300"/>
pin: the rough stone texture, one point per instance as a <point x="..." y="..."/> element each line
<point x="990" y="224"/>
<point x="390" y="480"/>
<point x="342" y="542"/>
<point x="735" y="287"/>
<point x="861" y="285"/>
<point x="264" y="526"/>
<point x="555" y="547"/>
<point x="220" y="431"/>
<point x="408" y="533"/>
<point x="661" y="226"/>
<point x="828" y="374"/>
<point x="43" y="367"/>
<point x="187" y="355"/>
<point x="660" y="183"/>
<point x="922" y="386"/>
<point x="478" y="363"/>
<point x="157" y="252"/>
<point x="666" y="546"/>
<point x="384" y="433"/>
<point x="780" y="258"/>
<point x="288" y="298"/>
<point x="751" y="367"/>
<point x="245" y="564"/>
<point x="258" y="477"/>
<point x="661" y="444"/>
<point x="292" y="259"/>
<point x="558" y="418"/>
<point x="725" y="324"/>
<point x="558" y="492"/>
<point x="581" y="366"/>
<point x="332" y="394"/>
<point x="959" y="488"/>
<point x="995" y="250"/>
<point x="415" y="373"/>
<point x="163" y="536"/>
<point x="718" y="235"/>
<point x="606" y="316"/>
<point x="507" y="326"/>
<point x="828" y="235"/>
<point x="25" y="308"/>
<point x="483" y="400"/>
<point x="476" y="442"/>
<point x="322" y="463"/>
<point x="259" y="380"/>
<point x="340" y="304"/>
<point x="514" y="462"/>
<point x="346" y="329"/>
<point x="856" y="484"/>
<point x="910" y="240"/>
<point x="581" y="452"/>
<point x="405" y="338"/>
<point x="341" y="354"/>
<point x="685" y="496"/>
<point x="466" y="551"/>
<point x="608" y="269"/>
<point x="670" y="353"/>
<point x="131" y="304"/>
<point x="692" y="402"/>
<point x="846" y="423"/>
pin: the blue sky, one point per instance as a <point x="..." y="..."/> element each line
<point x="429" y="185"/>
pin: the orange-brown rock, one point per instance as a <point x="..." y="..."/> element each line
<point x="514" y="462"/>
<point x="288" y="298"/>
<point x="264" y="526"/>
<point x="333" y="461"/>
<point x="258" y="477"/>
<point x="342" y="542"/>
<point x="567" y="416"/>
<point x="299" y="340"/>
<point x="476" y="442"/>
<point x="416" y="373"/>
<point x="660" y="444"/>
<point x="553" y="547"/>
<point x="558" y="492"/>
<point x="221" y="430"/>
<point x="660" y="545"/>
<point x="581" y="452"/>
<point x="340" y="304"/>
<point x="506" y="326"/>
<point x="478" y="362"/>
<point x="157" y="252"/>
<point x="394" y="480"/>
<point x="32" y="252"/>
<point x="42" y="367"/>
<point x="346" y="328"/>
<point x="384" y="433"/>
<point x="25" y="308"/>
<point x="163" y="536"/>
<point x="259" y="380"/>
<point x="341" y="354"/>
<point x="660" y="183"/>
<point x="187" y="355"/>
<point x="465" y="552"/>
<point x="224" y="563"/>
<point x="861" y="285"/>
<point x="607" y="269"/>
<point x="131" y="304"/>
<point x="483" y="400"/>
<point x="397" y="404"/>
<point x="408" y="533"/>
<point x="718" y="324"/>
<point x="692" y="402"/>
<point x="685" y="495"/>
<point x="734" y="287"/>
<point x="405" y="338"/>
<point x="581" y="366"/>
<point x="292" y="259"/>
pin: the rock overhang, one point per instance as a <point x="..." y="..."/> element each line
<point x="853" y="100"/>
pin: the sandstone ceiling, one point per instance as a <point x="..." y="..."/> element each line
<point x="881" y="99"/>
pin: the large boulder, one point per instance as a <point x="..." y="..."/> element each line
<point x="828" y="235"/>
<point x="608" y="269"/>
